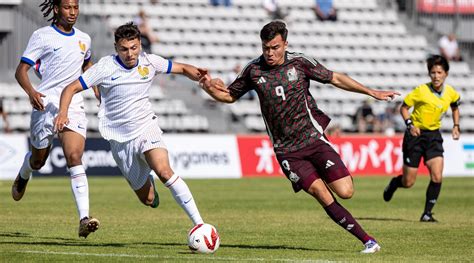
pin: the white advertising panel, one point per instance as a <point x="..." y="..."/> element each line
<point x="204" y="156"/>
<point x="13" y="148"/>
<point x="458" y="155"/>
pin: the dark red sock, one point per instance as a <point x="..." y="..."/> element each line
<point x="343" y="218"/>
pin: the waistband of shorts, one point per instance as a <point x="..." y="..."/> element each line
<point x="429" y="131"/>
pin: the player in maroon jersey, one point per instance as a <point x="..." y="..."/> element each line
<point x="296" y="125"/>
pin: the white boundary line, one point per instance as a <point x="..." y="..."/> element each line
<point x="168" y="257"/>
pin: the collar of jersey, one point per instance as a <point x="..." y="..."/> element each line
<point x="61" y="32"/>
<point x="435" y="92"/>
<point x="117" y="58"/>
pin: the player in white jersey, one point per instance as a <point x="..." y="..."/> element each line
<point x="127" y="120"/>
<point x="60" y="53"/>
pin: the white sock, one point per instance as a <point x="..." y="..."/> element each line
<point x="80" y="189"/>
<point x="180" y="191"/>
<point x="25" y="170"/>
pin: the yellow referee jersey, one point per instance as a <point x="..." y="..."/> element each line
<point x="429" y="107"/>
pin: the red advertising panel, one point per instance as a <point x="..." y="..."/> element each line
<point x="446" y="6"/>
<point x="367" y="155"/>
<point x="363" y="155"/>
<point x="257" y="157"/>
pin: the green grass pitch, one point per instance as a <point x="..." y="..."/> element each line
<point x="259" y="220"/>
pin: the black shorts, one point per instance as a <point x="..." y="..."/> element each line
<point x="428" y="145"/>
<point x="318" y="160"/>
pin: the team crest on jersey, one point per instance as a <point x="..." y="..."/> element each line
<point x="292" y="74"/>
<point x="82" y="46"/>
<point x="143" y="72"/>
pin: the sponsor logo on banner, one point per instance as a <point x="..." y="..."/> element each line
<point x="361" y="155"/>
<point x="257" y="156"/>
<point x="469" y="154"/>
<point x="365" y="155"/>
<point x="97" y="159"/>
<point x="203" y="156"/>
<point x="458" y="155"/>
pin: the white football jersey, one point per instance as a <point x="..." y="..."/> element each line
<point x="125" y="108"/>
<point x="58" y="57"/>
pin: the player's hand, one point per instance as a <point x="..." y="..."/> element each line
<point x="203" y="72"/>
<point x="36" y="100"/>
<point x="456" y="133"/>
<point x="219" y="85"/>
<point x="385" y="95"/>
<point x="60" y="122"/>
<point x="198" y="73"/>
<point x="415" y="131"/>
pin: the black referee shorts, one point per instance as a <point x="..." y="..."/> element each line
<point x="428" y="145"/>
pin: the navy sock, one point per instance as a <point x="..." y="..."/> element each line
<point x="343" y="218"/>
<point x="432" y="194"/>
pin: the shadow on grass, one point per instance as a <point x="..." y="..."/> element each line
<point x="61" y="241"/>
<point x="385" y="219"/>
<point x="72" y="242"/>
<point x="275" y="247"/>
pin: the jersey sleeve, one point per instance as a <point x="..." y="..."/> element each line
<point x="94" y="76"/>
<point x="315" y="70"/>
<point x="456" y="99"/>
<point x="88" y="54"/>
<point x="161" y="64"/>
<point x="241" y="84"/>
<point x="412" y="97"/>
<point x="34" y="49"/>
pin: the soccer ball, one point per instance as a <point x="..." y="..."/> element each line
<point x="203" y="238"/>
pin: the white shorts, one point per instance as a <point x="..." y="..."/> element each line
<point x="130" y="157"/>
<point x="42" y="124"/>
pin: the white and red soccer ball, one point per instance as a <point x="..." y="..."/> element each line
<point x="203" y="238"/>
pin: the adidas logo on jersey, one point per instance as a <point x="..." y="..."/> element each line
<point x="261" y="80"/>
<point x="329" y="163"/>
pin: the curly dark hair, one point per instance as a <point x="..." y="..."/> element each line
<point x="47" y="8"/>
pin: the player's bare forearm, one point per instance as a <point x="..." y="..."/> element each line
<point x="21" y="76"/>
<point x="189" y="71"/>
<point x="344" y="82"/>
<point x="404" y="111"/>
<point x="456" y="133"/>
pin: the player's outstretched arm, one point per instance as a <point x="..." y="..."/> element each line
<point x="189" y="71"/>
<point x="66" y="96"/>
<point x="216" y="89"/>
<point x="345" y="82"/>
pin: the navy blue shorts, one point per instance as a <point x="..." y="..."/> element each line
<point x="318" y="160"/>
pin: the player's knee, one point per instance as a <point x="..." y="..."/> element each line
<point x="74" y="158"/>
<point x="437" y="179"/>
<point x="165" y="175"/>
<point x="346" y="193"/>
<point x="408" y="183"/>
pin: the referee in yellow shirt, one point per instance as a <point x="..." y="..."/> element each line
<point x="422" y="138"/>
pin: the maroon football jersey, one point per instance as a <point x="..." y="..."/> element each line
<point x="290" y="113"/>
